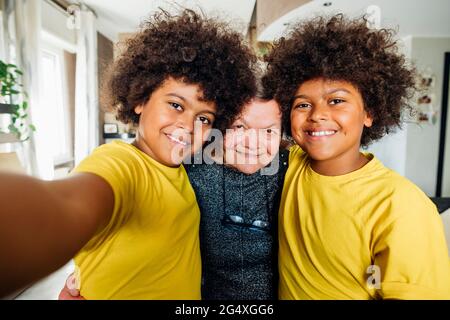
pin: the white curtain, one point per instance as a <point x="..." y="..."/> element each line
<point x="86" y="92"/>
<point x="21" y="42"/>
<point x="20" y="38"/>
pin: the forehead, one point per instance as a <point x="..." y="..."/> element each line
<point x="324" y="85"/>
<point x="192" y="93"/>
<point x="180" y="85"/>
<point x="261" y="113"/>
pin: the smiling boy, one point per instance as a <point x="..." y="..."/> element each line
<point x="349" y="228"/>
<point x="327" y="120"/>
<point x="127" y="212"/>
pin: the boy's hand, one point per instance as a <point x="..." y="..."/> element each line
<point x="69" y="292"/>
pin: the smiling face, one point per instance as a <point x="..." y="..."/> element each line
<point x="254" y="137"/>
<point x="174" y="122"/>
<point x="327" y="120"/>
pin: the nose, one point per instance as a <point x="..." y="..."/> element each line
<point x="186" y="121"/>
<point x="319" y="112"/>
<point x="250" y="140"/>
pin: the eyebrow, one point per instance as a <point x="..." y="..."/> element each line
<point x="208" y="111"/>
<point x="300" y="96"/>
<point x="176" y="95"/>
<point x="266" y="127"/>
<point x="337" y="90"/>
<point x="270" y="126"/>
<point x="304" y="96"/>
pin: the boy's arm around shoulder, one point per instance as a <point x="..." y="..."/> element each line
<point x="43" y="224"/>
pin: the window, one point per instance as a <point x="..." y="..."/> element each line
<point x="55" y="105"/>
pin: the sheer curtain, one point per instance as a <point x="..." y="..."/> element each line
<point x="86" y="92"/>
<point x="20" y="36"/>
<point x="20" y="43"/>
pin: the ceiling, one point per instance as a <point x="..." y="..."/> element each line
<point x="118" y="16"/>
<point x="411" y="17"/>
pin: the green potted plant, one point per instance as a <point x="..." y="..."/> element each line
<point x="13" y="102"/>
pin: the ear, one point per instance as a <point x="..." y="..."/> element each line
<point x="138" y="109"/>
<point x="368" y="120"/>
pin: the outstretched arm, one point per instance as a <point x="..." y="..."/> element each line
<point x="43" y="224"/>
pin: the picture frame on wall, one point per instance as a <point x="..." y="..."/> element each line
<point x="426" y="101"/>
<point x="110" y="128"/>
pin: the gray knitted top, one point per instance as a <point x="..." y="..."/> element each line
<point x="238" y="263"/>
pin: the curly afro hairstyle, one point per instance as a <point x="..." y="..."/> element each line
<point x="339" y="48"/>
<point x="187" y="47"/>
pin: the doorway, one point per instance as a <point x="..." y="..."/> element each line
<point x="443" y="175"/>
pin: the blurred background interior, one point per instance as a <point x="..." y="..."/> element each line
<point x="53" y="54"/>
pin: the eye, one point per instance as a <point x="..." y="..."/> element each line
<point x="204" y="120"/>
<point x="336" y="101"/>
<point x="239" y="126"/>
<point x="273" y="131"/>
<point x="302" y="106"/>
<point x="176" y="106"/>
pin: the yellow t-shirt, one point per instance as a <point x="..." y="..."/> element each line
<point x="332" y="229"/>
<point x="150" y="248"/>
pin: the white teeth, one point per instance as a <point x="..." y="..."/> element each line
<point x="250" y="154"/>
<point x="176" y="140"/>
<point x="321" y="133"/>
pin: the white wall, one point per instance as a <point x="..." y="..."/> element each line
<point x="54" y="27"/>
<point x="422" y="148"/>
<point x="391" y="150"/>
<point x="413" y="151"/>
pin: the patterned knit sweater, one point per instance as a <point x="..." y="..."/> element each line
<point x="238" y="263"/>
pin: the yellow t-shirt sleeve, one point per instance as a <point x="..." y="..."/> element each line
<point x="296" y="152"/>
<point x="295" y="148"/>
<point x="411" y="250"/>
<point x="112" y="163"/>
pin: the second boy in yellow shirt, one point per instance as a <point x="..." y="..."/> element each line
<point x="338" y="231"/>
<point x="349" y="227"/>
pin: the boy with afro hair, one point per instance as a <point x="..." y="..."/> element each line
<point x="349" y="228"/>
<point x="127" y="212"/>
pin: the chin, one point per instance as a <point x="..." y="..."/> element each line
<point x="320" y="156"/>
<point x="175" y="159"/>
<point x="248" y="169"/>
<point x="169" y="162"/>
